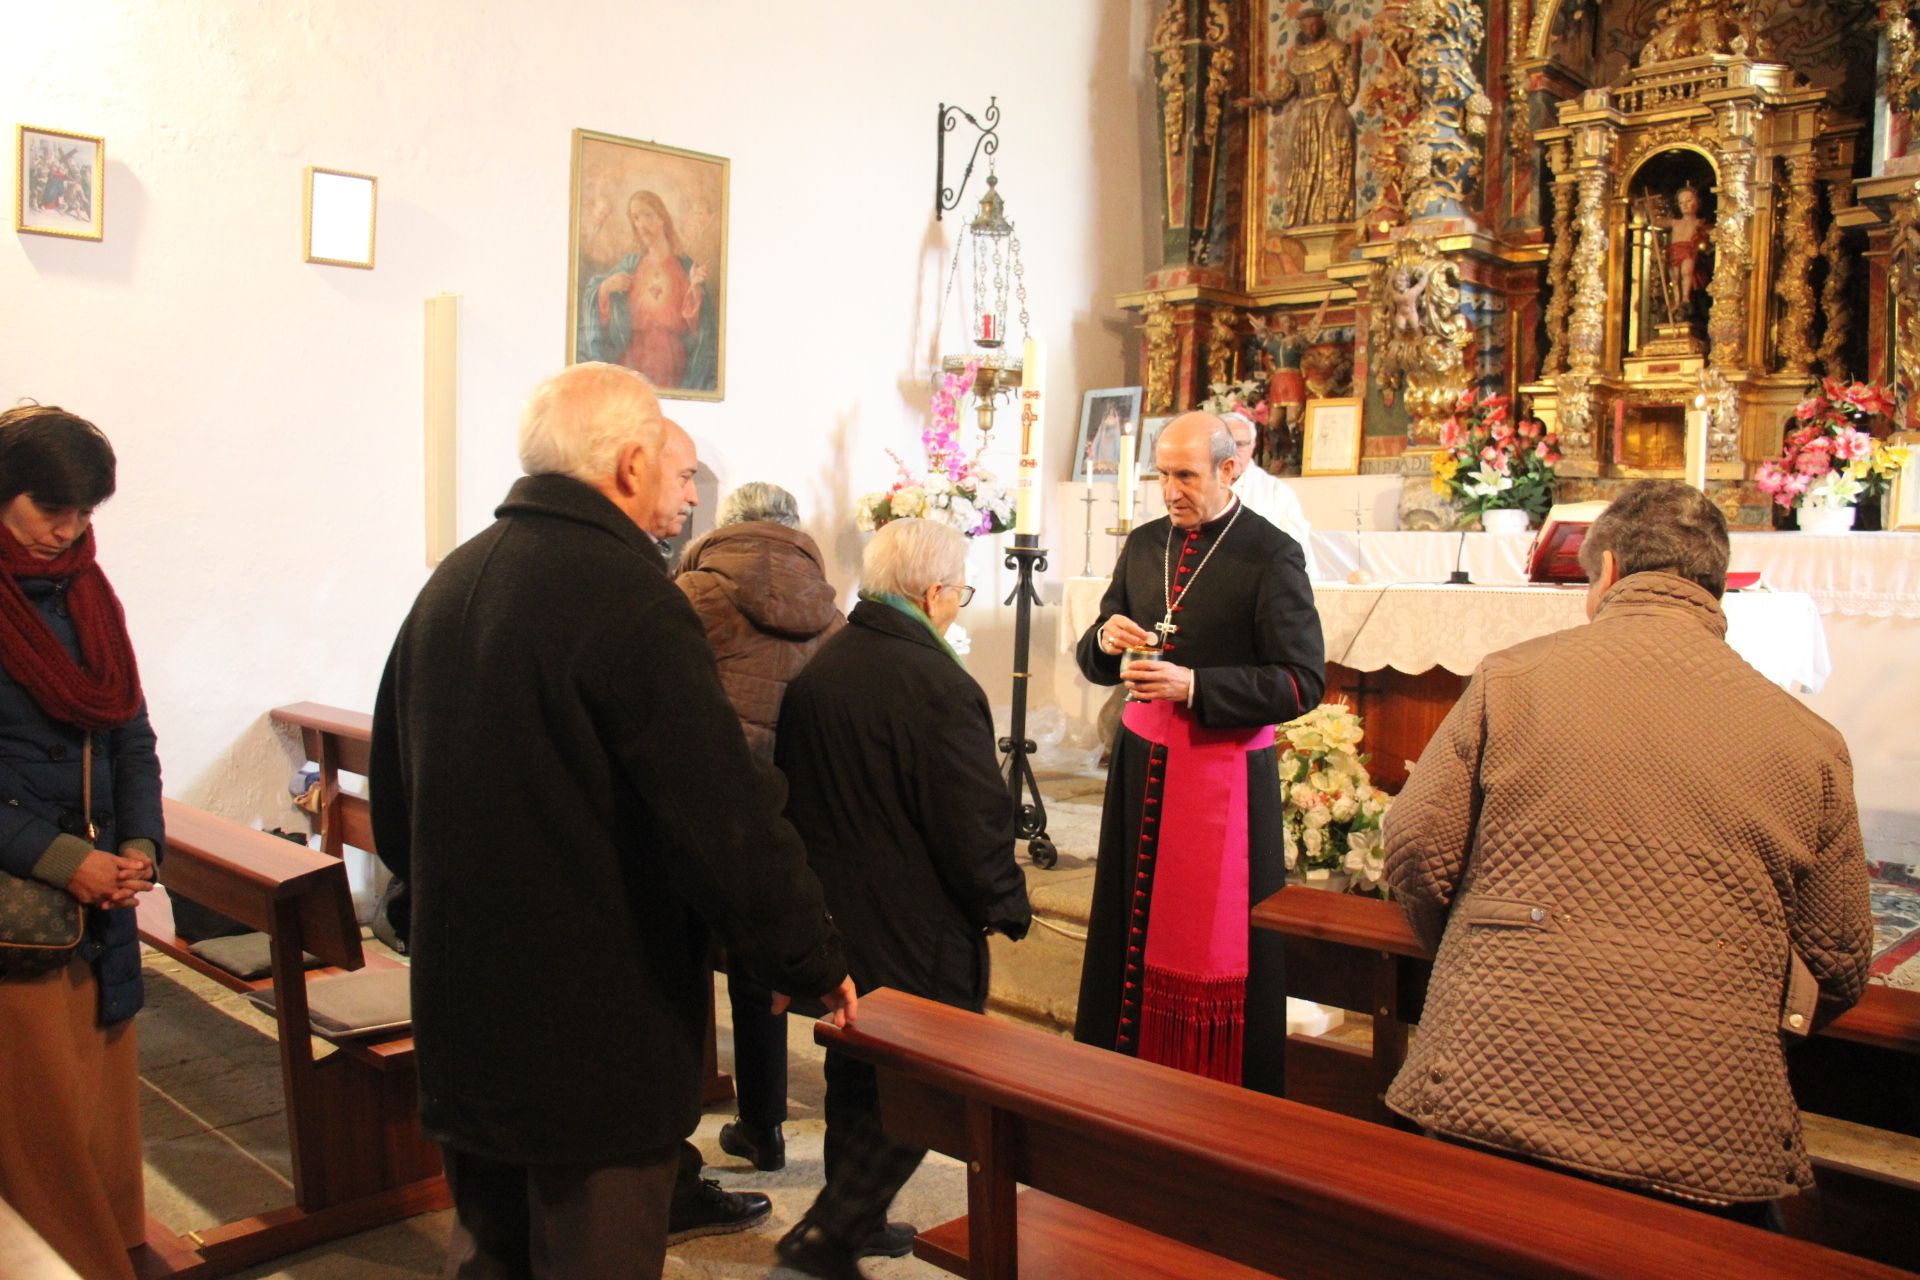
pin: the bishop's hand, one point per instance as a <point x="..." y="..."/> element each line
<point x="1157" y="681"/>
<point x="1120" y="633"/>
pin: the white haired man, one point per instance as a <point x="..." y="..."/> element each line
<point x="1265" y="493"/>
<point x="888" y="748"/>
<point x="548" y="720"/>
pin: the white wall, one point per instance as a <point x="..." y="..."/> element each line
<point x="268" y="535"/>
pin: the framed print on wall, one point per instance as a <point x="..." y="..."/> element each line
<point x="1903" y="499"/>
<point x="647" y="262"/>
<point x="342" y="212"/>
<point x="59" y="183"/>
<point x="1102" y="415"/>
<point x="1331" y="438"/>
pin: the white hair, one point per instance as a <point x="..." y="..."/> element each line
<point x="758" y="500"/>
<point x="908" y="556"/>
<point x="576" y="422"/>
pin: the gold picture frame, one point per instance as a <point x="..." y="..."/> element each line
<point x="1330" y="437"/>
<point x="59" y="189"/>
<point x="342" y="218"/>
<point x="1903" y="498"/>
<point x="648" y="229"/>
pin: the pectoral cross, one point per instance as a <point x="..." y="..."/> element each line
<point x="1166" y="628"/>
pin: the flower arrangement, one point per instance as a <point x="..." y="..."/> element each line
<point x="1831" y="460"/>
<point x="1489" y="461"/>
<point x="955" y="487"/>
<point x="1247" y="396"/>
<point x="1331" y="809"/>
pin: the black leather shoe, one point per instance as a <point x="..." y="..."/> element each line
<point x="895" y="1240"/>
<point x="765" y="1149"/>
<point x="808" y="1249"/>
<point x="711" y="1211"/>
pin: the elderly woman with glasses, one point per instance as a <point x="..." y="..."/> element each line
<point x="888" y="749"/>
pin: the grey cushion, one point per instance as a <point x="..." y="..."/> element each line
<point x="246" y="956"/>
<point x="347" y="1006"/>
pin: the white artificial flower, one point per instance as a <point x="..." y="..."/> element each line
<point x="1313" y="838"/>
<point x="1318" y="816"/>
<point x="1344" y="808"/>
<point x="909" y="501"/>
<point x="1301" y="796"/>
<point x="958" y="640"/>
<point x="863" y="512"/>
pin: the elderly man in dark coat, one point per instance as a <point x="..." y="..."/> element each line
<point x="887" y="745"/>
<point x="548" y="737"/>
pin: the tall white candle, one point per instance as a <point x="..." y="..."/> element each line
<point x="1129" y="443"/>
<point x="1027" y="496"/>
<point x="1698" y="424"/>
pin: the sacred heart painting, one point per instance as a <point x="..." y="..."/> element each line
<point x="647" y="282"/>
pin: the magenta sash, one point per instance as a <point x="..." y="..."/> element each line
<point x="1186" y="981"/>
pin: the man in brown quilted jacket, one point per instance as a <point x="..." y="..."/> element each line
<point x="1639" y="866"/>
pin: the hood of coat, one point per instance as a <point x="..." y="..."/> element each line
<point x="775" y="576"/>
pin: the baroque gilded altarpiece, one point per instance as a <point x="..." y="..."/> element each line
<point x="1399" y="199"/>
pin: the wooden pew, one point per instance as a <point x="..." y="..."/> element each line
<point x="1139" y="1170"/>
<point x="1357" y="953"/>
<point x="340" y="741"/>
<point x="359" y="1158"/>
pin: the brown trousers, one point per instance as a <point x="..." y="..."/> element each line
<point x="70" y="1121"/>
<point x="558" y="1222"/>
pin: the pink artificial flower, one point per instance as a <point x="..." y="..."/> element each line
<point x="1870" y="399"/>
<point x="1770" y="478"/>
<point x="1530" y="428"/>
<point x="1808" y="410"/>
<point x="1546" y="453"/>
<point x="1495" y="457"/>
<point x="1853" y="446"/>
<point x="1260" y="413"/>
<point x="1450" y="433"/>
<point x="1813" y="462"/>
<point x="1502" y="430"/>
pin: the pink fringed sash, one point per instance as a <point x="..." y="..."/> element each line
<point x="1186" y="982"/>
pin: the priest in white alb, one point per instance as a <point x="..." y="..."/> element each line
<point x="1266" y="493"/>
<point x="1190" y="836"/>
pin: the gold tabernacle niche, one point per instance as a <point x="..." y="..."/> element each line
<point x="1691" y="189"/>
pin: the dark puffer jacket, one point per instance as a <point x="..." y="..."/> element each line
<point x="40" y="800"/>
<point x="762" y="594"/>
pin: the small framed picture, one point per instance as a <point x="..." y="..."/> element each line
<point x="1149" y="437"/>
<point x="1331" y="438"/>
<point x="342" y="210"/>
<point x="1103" y="415"/>
<point x="59" y="183"/>
<point x="1903" y="500"/>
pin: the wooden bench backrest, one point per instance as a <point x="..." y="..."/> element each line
<point x="257" y="879"/>
<point x="338" y="741"/>
<point x="1272" y="1184"/>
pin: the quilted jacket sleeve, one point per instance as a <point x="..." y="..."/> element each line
<point x="1430" y="828"/>
<point x="1832" y="925"/>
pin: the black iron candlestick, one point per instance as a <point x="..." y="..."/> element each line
<point x="1027" y="557"/>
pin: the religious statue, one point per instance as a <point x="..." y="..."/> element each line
<point x="1316" y="149"/>
<point x="1418" y="335"/>
<point x="1689" y="235"/>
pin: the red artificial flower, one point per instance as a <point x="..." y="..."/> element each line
<point x="1811" y="409"/>
<point x="1450" y="433"/>
<point x="1870" y="399"/>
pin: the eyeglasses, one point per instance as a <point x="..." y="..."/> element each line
<point x="966" y="594"/>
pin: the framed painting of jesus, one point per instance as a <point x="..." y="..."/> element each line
<point x="647" y="262"/>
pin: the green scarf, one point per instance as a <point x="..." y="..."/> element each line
<point x="912" y="610"/>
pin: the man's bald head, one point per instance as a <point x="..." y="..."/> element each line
<point x="1195" y="458"/>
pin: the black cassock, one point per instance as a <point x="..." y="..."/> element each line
<point x="1249" y="631"/>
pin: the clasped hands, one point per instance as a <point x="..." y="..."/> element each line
<point x="110" y="880"/>
<point x="843" y="1003"/>
<point x="1147" y="681"/>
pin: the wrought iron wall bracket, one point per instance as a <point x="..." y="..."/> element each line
<point x="945" y="197"/>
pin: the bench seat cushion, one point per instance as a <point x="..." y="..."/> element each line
<point x="348" y="1006"/>
<point x="247" y="956"/>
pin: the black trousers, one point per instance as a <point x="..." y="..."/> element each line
<point x="759" y="1051"/>
<point x="865" y="1168"/>
<point x="557" y="1222"/>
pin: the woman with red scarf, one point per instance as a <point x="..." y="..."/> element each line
<point x="79" y="810"/>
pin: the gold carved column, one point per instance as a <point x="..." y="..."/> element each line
<point x="1559" y="296"/>
<point x="1732" y="240"/>
<point x="1795" y="285"/>
<point x="1833" y="295"/>
<point x="1586" y="329"/>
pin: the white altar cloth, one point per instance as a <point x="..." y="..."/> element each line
<point x="1413" y="628"/>
<point x="1866" y="574"/>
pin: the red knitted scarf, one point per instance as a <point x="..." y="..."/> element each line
<point x="102" y="689"/>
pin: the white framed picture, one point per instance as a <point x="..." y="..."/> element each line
<point x="1331" y="444"/>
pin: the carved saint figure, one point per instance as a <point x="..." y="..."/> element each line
<point x="1688" y="236"/>
<point x="1316" y="148"/>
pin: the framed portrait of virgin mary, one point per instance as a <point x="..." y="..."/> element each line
<point x="647" y="262"/>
